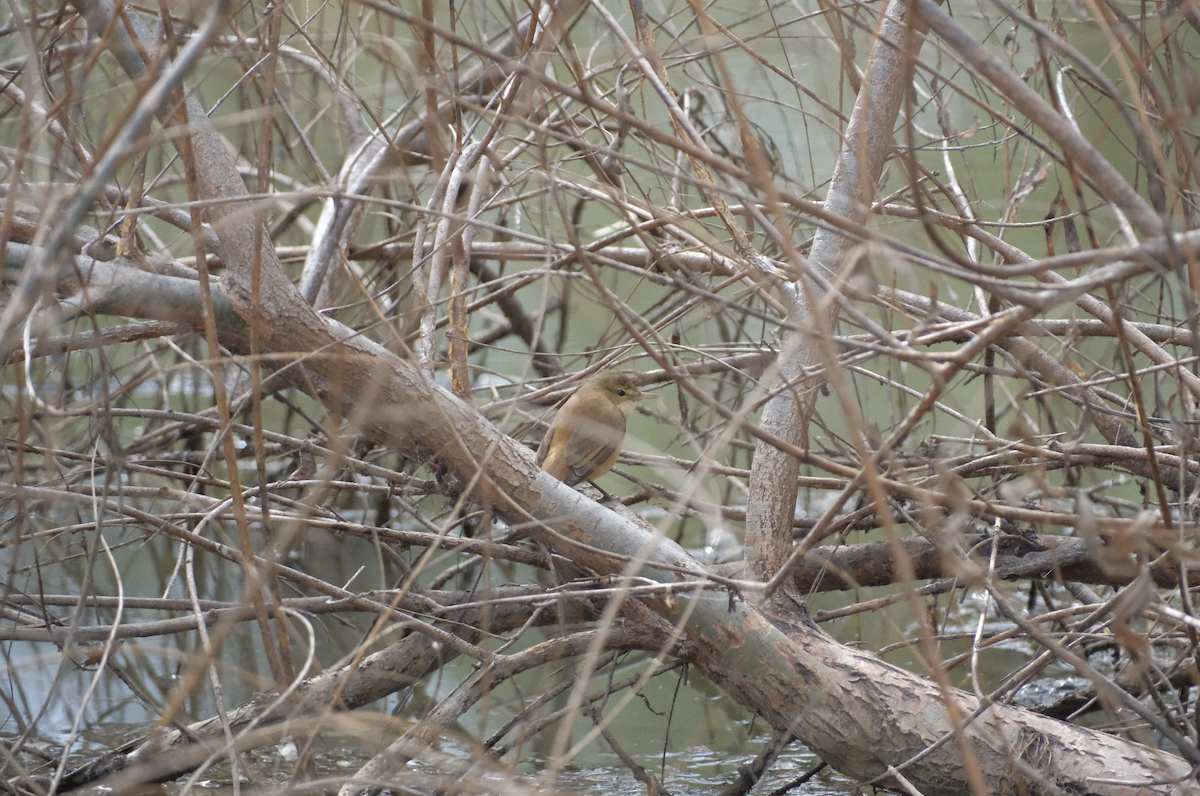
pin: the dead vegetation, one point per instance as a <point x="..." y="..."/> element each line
<point x="287" y="298"/>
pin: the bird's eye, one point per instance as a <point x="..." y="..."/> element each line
<point x="621" y="393"/>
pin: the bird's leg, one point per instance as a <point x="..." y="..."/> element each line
<point x="607" y="497"/>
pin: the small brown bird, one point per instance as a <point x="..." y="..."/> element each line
<point x="585" y="439"/>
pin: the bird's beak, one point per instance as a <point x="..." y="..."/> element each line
<point x="648" y="395"/>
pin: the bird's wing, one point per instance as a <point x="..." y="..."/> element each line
<point x="592" y="445"/>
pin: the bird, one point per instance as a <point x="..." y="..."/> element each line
<point x="585" y="438"/>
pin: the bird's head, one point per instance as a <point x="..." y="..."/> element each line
<point x="618" y="386"/>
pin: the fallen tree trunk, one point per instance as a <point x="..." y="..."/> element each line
<point x="864" y="716"/>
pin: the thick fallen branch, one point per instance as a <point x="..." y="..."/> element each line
<point x="859" y="713"/>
